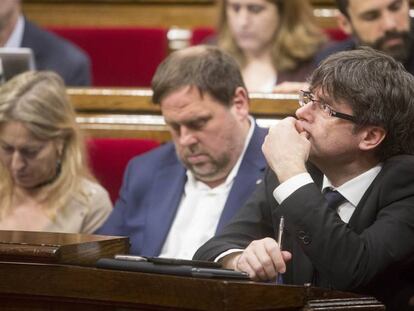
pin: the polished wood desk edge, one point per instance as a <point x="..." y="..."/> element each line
<point x="169" y="14"/>
<point x="123" y="287"/>
<point x="139" y="288"/>
<point x="51" y="238"/>
<point x="118" y="100"/>
<point x="129" y="112"/>
<point x="51" y="247"/>
<point x="314" y="2"/>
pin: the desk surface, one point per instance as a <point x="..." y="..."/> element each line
<point x="61" y="287"/>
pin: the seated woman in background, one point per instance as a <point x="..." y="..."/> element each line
<point x="45" y="184"/>
<point x="274" y="41"/>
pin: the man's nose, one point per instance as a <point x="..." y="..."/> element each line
<point x="187" y="136"/>
<point x="306" y="112"/>
<point x="389" y="21"/>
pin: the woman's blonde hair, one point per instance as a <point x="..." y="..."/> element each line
<point x="39" y="100"/>
<point x="296" y="40"/>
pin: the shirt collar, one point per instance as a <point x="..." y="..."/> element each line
<point x="16" y="37"/>
<point x="354" y="189"/>
<point x="196" y="183"/>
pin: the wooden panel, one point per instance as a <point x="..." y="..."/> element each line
<point x="126" y="100"/>
<point x="148" y="13"/>
<point x="124" y="112"/>
<point x="125" y="130"/>
<point x="26" y="286"/>
<point x="123" y="14"/>
<point x="164" y="13"/>
<point x="68" y="248"/>
<point x="314" y="2"/>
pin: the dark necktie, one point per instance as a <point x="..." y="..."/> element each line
<point x="334" y="198"/>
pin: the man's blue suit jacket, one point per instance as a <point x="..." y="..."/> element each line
<point x="152" y="188"/>
<point x="57" y="54"/>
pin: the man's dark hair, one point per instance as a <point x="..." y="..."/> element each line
<point x="378" y="89"/>
<point x="343" y="6"/>
<point x="205" y="67"/>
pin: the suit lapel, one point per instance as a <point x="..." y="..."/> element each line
<point x="165" y="197"/>
<point x="250" y="173"/>
<point x="366" y="211"/>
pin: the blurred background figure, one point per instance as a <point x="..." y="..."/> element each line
<point x="274" y="41"/>
<point x="50" y="51"/>
<point x="384" y="25"/>
<point x="45" y="184"/>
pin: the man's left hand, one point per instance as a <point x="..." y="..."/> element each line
<point x="286" y="150"/>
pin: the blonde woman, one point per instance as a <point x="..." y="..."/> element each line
<point x="45" y="183"/>
<point x="274" y="41"/>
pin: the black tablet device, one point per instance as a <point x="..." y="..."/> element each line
<point x="170" y="261"/>
<point x="171" y="269"/>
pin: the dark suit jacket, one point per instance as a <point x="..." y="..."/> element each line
<point x="57" y="54"/>
<point x="152" y="189"/>
<point x="371" y="254"/>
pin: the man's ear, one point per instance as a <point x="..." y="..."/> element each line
<point x="344" y="23"/>
<point x="241" y="102"/>
<point x="372" y="136"/>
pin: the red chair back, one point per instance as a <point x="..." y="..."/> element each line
<point x="200" y="34"/>
<point x="108" y="158"/>
<point x="120" y="56"/>
<point x="336" y="34"/>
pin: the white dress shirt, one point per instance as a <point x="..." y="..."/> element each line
<point x="199" y="212"/>
<point x="352" y="190"/>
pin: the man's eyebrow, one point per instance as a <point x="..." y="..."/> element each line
<point x="192" y="120"/>
<point x="369" y="12"/>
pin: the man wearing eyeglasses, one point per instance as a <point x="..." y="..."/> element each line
<point x="353" y="135"/>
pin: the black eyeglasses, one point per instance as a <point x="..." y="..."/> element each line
<point x="306" y="97"/>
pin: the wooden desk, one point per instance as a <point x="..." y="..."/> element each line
<point x="62" y="248"/>
<point x="146" y="13"/>
<point x="123" y="112"/>
<point x="29" y="286"/>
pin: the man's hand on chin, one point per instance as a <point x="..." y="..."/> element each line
<point x="286" y="148"/>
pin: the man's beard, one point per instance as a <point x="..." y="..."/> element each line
<point x="400" y="52"/>
<point x="217" y="167"/>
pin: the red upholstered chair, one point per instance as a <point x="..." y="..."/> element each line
<point x="120" y="56"/>
<point x="200" y="34"/>
<point x="108" y="158"/>
<point x="336" y="34"/>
